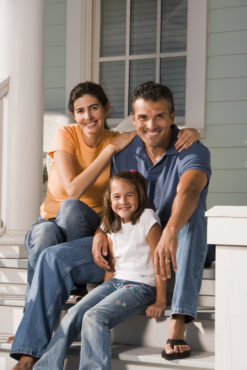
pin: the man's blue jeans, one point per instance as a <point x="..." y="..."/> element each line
<point x="95" y="315"/>
<point x="63" y="265"/>
<point x="74" y="220"/>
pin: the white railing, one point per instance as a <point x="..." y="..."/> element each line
<point x="4" y="89"/>
<point x="227" y="227"/>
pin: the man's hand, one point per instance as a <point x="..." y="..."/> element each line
<point x="165" y="253"/>
<point x="100" y="250"/>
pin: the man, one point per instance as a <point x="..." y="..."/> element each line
<point x="178" y="183"/>
<point x="63" y="265"/>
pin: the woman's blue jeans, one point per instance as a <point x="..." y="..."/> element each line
<point x="95" y="315"/>
<point x="57" y="270"/>
<point x="74" y="220"/>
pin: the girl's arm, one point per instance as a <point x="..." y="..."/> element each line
<point x="156" y="309"/>
<point x="111" y="261"/>
<point x="186" y="137"/>
<point x="75" y="183"/>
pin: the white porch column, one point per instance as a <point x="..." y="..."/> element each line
<point x="22" y="49"/>
<point x="227" y="228"/>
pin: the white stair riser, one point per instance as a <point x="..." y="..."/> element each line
<point x="208" y="287"/>
<point x="142" y="331"/>
<point x="13" y="289"/>
<point x="6" y="362"/>
<point x="13" y="263"/>
<point x="12" y="317"/>
<point x="14" y="276"/>
<point x="12" y="251"/>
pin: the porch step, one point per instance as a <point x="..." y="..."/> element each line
<point x="142" y="331"/>
<point x="12" y="251"/>
<point x="127" y="357"/>
<point x="14" y="263"/>
<point x="13" y="275"/>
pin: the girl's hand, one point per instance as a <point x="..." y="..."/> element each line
<point x="155" y="310"/>
<point x="186" y="137"/>
<point x="122" y="140"/>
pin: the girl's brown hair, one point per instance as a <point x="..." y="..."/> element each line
<point x="111" y="222"/>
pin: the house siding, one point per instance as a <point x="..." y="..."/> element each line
<point x="226" y="110"/>
<point x="226" y="101"/>
<point x="55" y="55"/>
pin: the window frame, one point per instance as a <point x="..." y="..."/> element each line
<point x="83" y="23"/>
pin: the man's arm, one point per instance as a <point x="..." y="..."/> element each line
<point x="189" y="188"/>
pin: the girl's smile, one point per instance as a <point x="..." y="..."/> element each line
<point x="124" y="199"/>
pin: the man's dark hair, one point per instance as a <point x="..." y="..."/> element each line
<point x="153" y="91"/>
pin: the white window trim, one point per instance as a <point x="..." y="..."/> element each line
<point x="80" y="64"/>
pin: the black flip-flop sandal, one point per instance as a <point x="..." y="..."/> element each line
<point x="177" y="355"/>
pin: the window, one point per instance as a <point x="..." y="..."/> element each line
<point x="132" y="41"/>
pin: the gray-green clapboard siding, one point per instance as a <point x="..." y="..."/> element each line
<point x="226" y="111"/>
<point x="55" y="55"/>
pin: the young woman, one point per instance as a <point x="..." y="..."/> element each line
<point x="130" y="286"/>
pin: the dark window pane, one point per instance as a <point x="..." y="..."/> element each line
<point x="112" y="78"/>
<point x="174" y="26"/>
<point x="112" y="27"/>
<point x="143" y="26"/>
<point x="173" y="74"/>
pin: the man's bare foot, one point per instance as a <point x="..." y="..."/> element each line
<point x="10" y="339"/>
<point x="176" y="331"/>
<point x="25" y="363"/>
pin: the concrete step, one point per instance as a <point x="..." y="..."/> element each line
<point x="127" y="357"/>
<point x="12" y="289"/>
<point x="12" y="251"/>
<point x="13" y="275"/>
<point x="124" y="357"/>
<point x="6" y="362"/>
<point x="14" y="263"/>
<point x="142" y="331"/>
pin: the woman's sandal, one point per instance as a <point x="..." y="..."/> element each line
<point x="175" y="355"/>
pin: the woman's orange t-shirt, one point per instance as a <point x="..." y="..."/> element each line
<point x="69" y="139"/>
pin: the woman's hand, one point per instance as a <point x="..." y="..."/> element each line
<point x="186" y="137"/>
<point x="122" y="140"/>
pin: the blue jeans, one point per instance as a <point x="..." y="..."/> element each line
<point x="73" y="221"/>
<point x="57" y="270"/>
<point x="95" y="315"/>
<point x="63" y="265"/>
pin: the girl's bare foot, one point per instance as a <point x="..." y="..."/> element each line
<point x="25" y="363"/>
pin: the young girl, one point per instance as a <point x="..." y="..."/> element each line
<point x="130" y="288"/>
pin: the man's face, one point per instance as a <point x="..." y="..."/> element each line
<point x="152" y="121"/>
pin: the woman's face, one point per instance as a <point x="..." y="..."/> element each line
<point x="90" y="114"/>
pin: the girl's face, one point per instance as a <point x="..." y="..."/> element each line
<point x="90" y="114"/>
<point x="124" y="199"/>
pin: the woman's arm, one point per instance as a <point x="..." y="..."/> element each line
<point x="74" y="183"/>
<point x="110" y="273"/>
<point x="186" y="137"/>
<point x="156" y="309"/>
